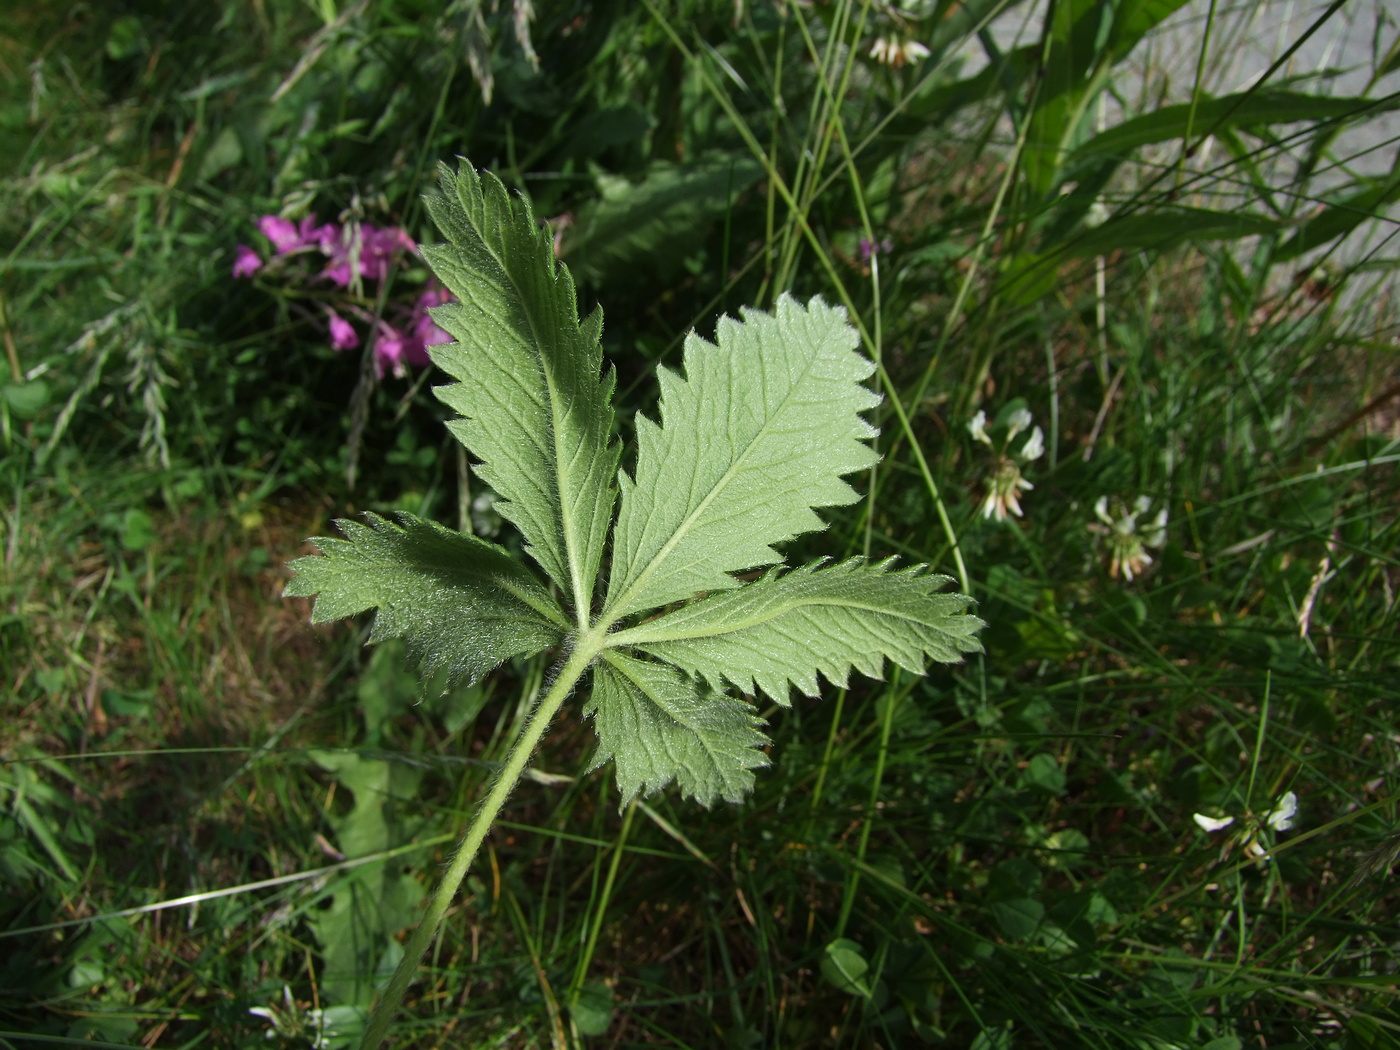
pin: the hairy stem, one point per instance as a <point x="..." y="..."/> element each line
<point x="470" y="845"/>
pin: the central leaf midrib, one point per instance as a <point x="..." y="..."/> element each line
<point x="681" y="530"/>
<point x="566" y="517"/>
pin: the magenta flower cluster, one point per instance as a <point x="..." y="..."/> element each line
<point x="365" y="251"/>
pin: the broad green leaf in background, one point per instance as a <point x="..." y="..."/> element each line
<point x="535" y="410"/>
<point x="757" y="434"/>
<point x="461" y="604"/>
<point x="781" y="630"/>
<point x="844" y="965"/>
<point x="1092" y="164"/>
<point x="1213" y="114"/>
<point x="1083" y="41"/>
<point x="1031" y="275"/>
<point x="660" y="725"/>
<point x="369" y="904"/>
<point x="651" y="226"/>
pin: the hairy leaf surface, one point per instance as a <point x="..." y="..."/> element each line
<point x="535" y="410"/>
<point x="757" y="434"/>
<point x="659" y="725"/>
<point x="782" y="630"/>
<point x="462" y="605"/>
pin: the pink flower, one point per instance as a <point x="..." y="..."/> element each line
<point x="377" y="248"/>
<point x="339" y="274"/>
<point x="288" y="237"/>
<point x="868" y="248"/>
<point x="245" y="261"/>
<point x="281" y="232"/>
<point x="424" y="329"/>
<point x="343" y="334"/>
<point x="390" y="350"/>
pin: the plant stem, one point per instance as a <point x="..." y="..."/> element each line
<point x="520" y="753"/>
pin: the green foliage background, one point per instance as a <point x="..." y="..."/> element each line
<point x="998" y="855"/>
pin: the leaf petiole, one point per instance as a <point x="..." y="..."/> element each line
<point x="384" y="1013"/>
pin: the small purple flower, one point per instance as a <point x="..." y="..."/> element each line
<point x="424" y="329"/>
<point x="868" y="248"/>
<point x="378" y="246"/>
<point x="287" y="236"/>
<point x="281" y="232"/>
<point x="343" y="334"/>
<point x="338" y="274"/>
<point x="390" y="350"/>
<point x="245" y="261"/>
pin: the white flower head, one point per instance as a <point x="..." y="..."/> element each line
<point x="1004" y="488"/>
<point x="977" y="427"/>
<point x="896" y="51"/>
<point x="1127" y="545"/>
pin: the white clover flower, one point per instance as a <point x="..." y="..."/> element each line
<point x="1005" y="483"/>
<point x="977" y="427"/>
<point x="1127" y="545"/>
<point x="1004" y="488"/>
<point x="896" y="51"/>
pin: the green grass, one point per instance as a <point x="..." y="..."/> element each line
<point x="1007" y="848"/>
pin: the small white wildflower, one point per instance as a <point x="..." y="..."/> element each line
<point x="1034" y="447"/>
<point x="896" y="51"/>
<point x="1018" y="421"/>
<point x="1127" y="545"/>
<point x="915" y="51"/>
<point x="1212" y="824"/>
<point x="977" y="427"/>
<point x="283" y="1021"/>
<point x="1097" y="215"/>
<point x="1280" y="818"/>
<point x="1253" y="828"/>
<point x="1101" y="510"/>
<point x="1004" y="488"/>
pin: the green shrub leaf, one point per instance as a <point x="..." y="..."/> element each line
<point x="660" y="725"/>
<point x="535" y="410"/>
<point x="461" y="604"/>
<point x="757" y="434"/>
<point x="783" y="629"/>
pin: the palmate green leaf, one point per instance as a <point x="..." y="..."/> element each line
<point x="757" y="434"/>
<point x="461" y="604"/>
<point x="659" y="726"/>
<point x="535" y="410"/>
<point x="782" y="630"/>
